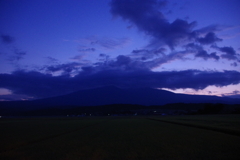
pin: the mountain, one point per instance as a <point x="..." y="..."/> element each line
<point x="142" y="96"/>
<point x="112" y="95"/>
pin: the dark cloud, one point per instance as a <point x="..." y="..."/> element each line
<point x="203" y="54"/>
<point x="103" y="57"/>
<point x="139" y="51"/>
<point x="228" y="50"/>
<point x="143" y="54"/>
<point x="34" y="83"/>
<point x="209" y="38"/>
<point x="123" y="63"/>
<point x="139" y="62"/>
<point x="64" y="69"/>
<point x="123" y="60"/>
<point x="7" y="39"/>
<point x="146" y="16"/>
<point x="154" y="51"/>
<point x="200" y="52"/>
<point x="163" y="59"/>
<point x="230" y="53"/>
<point x="234" y="64"/>
<point x="86" y="49"/>
<point x="236" y="92"/>
<point x="44" y="85"/>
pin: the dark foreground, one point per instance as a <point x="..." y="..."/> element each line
<point x="173" y="137"/>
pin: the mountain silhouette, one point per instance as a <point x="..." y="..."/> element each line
<point x="142" y="96"/>
<point x="110" y="95"/>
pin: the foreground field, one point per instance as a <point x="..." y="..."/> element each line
<point x="183" y="137"/>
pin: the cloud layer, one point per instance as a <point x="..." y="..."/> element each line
<point x="122" y="73"/>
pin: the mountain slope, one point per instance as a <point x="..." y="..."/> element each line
<point x="113" y="95"/>
<point x="142" y="96"/>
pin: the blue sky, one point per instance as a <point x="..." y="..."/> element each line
<point x="55" y="47"/>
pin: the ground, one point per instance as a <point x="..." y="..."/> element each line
<point x="160" y="137"/>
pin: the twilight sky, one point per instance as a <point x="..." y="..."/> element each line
<point x="54" y="47"/>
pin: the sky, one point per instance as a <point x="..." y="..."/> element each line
<point x="51" y="48"/>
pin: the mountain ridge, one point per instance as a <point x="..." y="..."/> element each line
<point x="113" y="95"/>
<point x="100" y="99"/>
<point x="142" y="96"/>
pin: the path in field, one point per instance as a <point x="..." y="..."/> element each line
<point x="133" y="138"/>
<point x="222" y="130"/>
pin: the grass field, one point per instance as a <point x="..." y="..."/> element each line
<point x="170" y="137"/>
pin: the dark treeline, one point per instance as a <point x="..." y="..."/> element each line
<point x="124" y="110"/>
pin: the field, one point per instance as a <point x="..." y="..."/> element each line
<point x="161" y="137"/>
